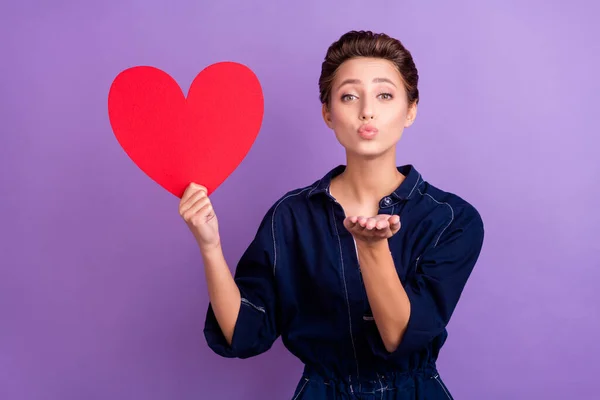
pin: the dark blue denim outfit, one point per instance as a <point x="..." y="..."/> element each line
<point x="300" y="279"/>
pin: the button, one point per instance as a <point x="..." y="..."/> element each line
<point x="387" y="201"/>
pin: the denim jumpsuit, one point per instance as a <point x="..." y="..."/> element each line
<point x="300" y="279"/>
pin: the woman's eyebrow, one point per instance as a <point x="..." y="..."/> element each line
<point x="352" y="81"/>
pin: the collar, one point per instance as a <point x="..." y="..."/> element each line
<point x="405" y="191"/>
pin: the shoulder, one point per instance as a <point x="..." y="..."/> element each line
<point x="457" y="211"/>
<point x="305" y="201"/>
<point x="290" y="203"/>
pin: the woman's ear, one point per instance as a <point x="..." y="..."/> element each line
<point x="411" y="115"/>
<point x="326" y="115"/>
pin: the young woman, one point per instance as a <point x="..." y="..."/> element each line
<point x="359" y="272"/>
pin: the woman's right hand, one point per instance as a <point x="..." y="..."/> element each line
<point x="196" y="210"/>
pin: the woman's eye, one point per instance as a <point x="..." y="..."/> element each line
<point x="386" y="96"/>
<point x="348" y="97"/>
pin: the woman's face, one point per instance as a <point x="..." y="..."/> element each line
<point x="368" y="110"/>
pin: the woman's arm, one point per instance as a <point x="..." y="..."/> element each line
<point x="387" y="298"/>
<point x="241" y="317"/>
<point x="410" y="314"/>
<point x="224" y="294"/>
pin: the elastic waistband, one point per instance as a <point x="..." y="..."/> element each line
<point x="370" y="381"/>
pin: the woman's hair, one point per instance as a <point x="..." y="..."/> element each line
<point x="368" y="44"/>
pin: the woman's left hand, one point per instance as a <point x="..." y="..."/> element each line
<point x="373" y="229"/>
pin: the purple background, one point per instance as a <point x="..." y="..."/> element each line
<point x="102" y="292"/>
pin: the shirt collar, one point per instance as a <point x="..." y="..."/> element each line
<point x="405" y="191"/>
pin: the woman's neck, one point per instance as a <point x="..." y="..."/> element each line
<point x="366" y="181"/>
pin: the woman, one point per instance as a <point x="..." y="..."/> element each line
<point x="359" y="272"/>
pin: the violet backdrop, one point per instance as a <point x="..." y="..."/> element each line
<point x="102" y="292"/>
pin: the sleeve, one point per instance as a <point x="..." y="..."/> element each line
<point x="441" y="276"/>
<point x="256" y="328"/>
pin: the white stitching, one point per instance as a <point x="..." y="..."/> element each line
<point x="451" y="219"/>
<point x="315" y="186"/>
<point x="273" y="224"/>
<point x="383" y="389"/>
<point x="301" y="389"/>
<point x="248" y="303"/>
<point x="416" y="183"/>
<point x="346" y="290"/>
<point x="436" y="377"/>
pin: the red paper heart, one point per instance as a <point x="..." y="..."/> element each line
<point x="177" y="140"/>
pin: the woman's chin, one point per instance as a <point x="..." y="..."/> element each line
<point x="369" y="151"/>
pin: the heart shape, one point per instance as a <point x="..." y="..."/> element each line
<point x="177" y="140"/>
